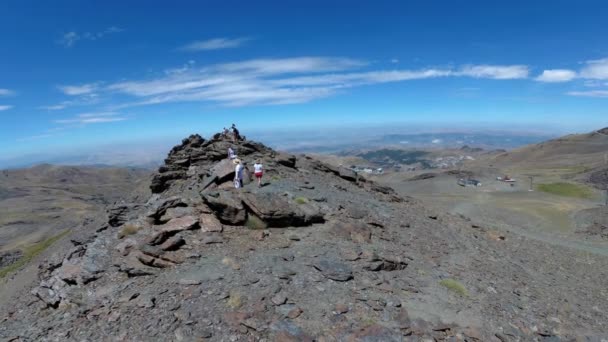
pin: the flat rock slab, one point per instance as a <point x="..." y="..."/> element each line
<point x="334" y="270"/>
<point x="280" y="211"/>
<point x="172" y="227"/>
<point x="210" y="223"/>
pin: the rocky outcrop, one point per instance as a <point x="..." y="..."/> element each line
<point x="353" y="261"/>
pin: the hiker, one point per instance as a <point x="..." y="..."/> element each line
<point x="258" y="171"/>
<point x="231" y="154"/>
<point x="225" y="133"/>
<point x="235" y="133"/>
<point x="238" y="174"/>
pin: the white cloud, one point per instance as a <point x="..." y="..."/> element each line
<point x="556" y="75"/>
<point x="5" y="107"/>
<point x="93" y="118"/>
<point x="498" y="72"/>
<point x="60" y="106"/>
<point x="394" y="60"/>
<point x="214" y="44"/>
<point x="6" y="92"/>
<point x="278" y="81"/>
<point x="79" y="89"/>
<point x="436" y="141"/>
<point x="70" y="38"/>
<point x="596" y="69"/>
<point x="589" y="93"/>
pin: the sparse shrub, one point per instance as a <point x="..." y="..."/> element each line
<point x="275" y="178"/>
<point x="301" y="200"/>
<point x="235" y="300"/>
<point x="128" y="229"/>
<point x="254" y="222"/>
<point x="454" y="286"/>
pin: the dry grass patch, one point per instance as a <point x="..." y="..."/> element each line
<point x="128" y="229"/>
<point x="235" y="300"/>
<point x="454" y="286"/>
<point x="256" y="223"/>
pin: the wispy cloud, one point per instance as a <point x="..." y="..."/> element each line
<point x="497" y="72"/>
<point x="93" y="118"/>
<point x="556" y="75"/>
<point x="81" y="89"/>
<point x="6" y="92"/>
<point x="69" y="39"/>
<point x="5" y="107"/>
<point x="59" y="106"/>
<point x="283" y="81"/>
<point x="214" y="44"/>
<point x="589" y="93"/>
<point x="595" y="69"/>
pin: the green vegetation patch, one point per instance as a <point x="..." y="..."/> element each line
<point x="254" y="222"/>
<point x="566" y="189"/>
<point x="30" y="253"/>
<point x="454" y="286"/>
<point x="301" y="200"/>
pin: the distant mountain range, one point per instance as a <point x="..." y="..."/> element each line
<point x="150" y="154"/>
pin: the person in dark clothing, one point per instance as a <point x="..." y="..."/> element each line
<point x="235" y="133"/>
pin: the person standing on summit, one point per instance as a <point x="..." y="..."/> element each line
<point x="235" y="134"/>
<point x="258" y="171"/>
<point x="238" y="174"/>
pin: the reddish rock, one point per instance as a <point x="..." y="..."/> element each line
<point x="163" y="232"/>
<point x="294" y="313"/>
<point x="210" y="223"/>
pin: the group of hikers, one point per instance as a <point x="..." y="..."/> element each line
<point x="258" y="169"/>
<point x="232" y="133"/>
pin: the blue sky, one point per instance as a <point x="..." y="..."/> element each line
<point x="88" y="73"/>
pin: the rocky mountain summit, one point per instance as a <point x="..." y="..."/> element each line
<point x="315" y="254"/>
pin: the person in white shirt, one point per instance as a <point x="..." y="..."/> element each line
<point x="231" y="154"/>
<point x="238" y="174"/>
<point x="258" y="171"/>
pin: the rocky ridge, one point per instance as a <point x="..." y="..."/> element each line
<point x="316" y="254"/>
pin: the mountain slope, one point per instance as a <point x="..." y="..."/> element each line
<point x="569" y="151"/>
<point x="317" y="253"/>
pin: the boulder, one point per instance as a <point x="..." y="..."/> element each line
<point x="210" y="223"/>
<point x="160" y="207"/>
<point x="121" y="213"/>
<point x="160" y="181"/>
<point x="347" y="174"/>
<point x="223" y="171"/>
<point x="173" y="243"/>
<point x="163" y="232"/>
<point x="227" y="206"/>
<point x="177" y="212"/>
<point x="280" y="211"/>
<point x="285" y="159"/>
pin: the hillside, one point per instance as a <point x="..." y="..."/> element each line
<point x="315" y="254"/>
<point x="44" y="201"/>
<point x="569" y="151"/>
